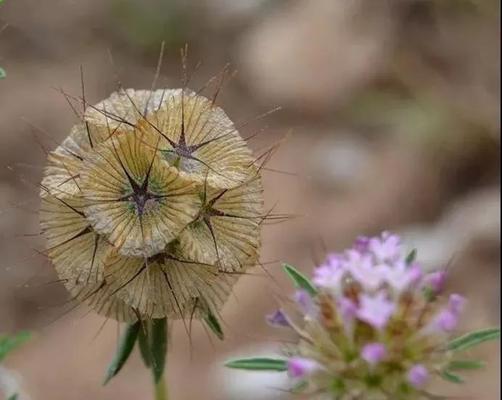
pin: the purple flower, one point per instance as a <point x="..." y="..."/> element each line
<point x="386" y="248"/>
<point x="278" y="318"/>
<point x="436" y="281"/>
<point x="329" y="275"/>
<point x="456" y="303"/>
<point x="363" y="270"/>
<point x="299" y="367"/>
<point x="418" y="375"/>
<point x="347" y="308"/>
<point x="361" y="244"/>
<point x="401" y="276"/>
<point x="375" y="310"/>
<point x="445" y="321"/>
<point x="305" y="302"/>
<point x="373" y="353"/>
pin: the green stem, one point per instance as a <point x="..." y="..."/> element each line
<point x="161" y="389"/>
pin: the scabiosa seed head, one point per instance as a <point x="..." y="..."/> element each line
<point x="376" y="333"/>
<point x="152" y="206"/>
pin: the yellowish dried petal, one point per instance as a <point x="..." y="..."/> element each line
<point x="64" y="164"/>
<point x="78" y="254"/>
<point x="227" y="230"/>
<point x="124" y="108"/>
<point x="61" y="219"/>
<point x="166" y="285"/>
<point x="135" y="199"/>
<point x="200" y="139"/>
<point x="101" y="297"/>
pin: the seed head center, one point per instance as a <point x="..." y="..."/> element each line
<point x="140" y="195"/>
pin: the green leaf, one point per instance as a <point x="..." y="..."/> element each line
<point x="9" y="343"/>
<point x="15" y="395"/>
<point x="451" y="377"/>
<point x="152" y="342"/>
<point x="158" y="347"/>
<point x="259" y="364"/>
<point x="429" y="294"/>
<point x="124" y="350"/>
<point x="465" y="365"/>
<point x="411" y="257"/>
<point x="144" y="345"/>
<point x="300" y="281"/>
<point x="3" y="74"/>
<point x="473" y="339"/>
<point x="213" y="324"/>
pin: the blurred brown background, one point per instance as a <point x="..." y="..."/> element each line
<point x="389" y="120"/>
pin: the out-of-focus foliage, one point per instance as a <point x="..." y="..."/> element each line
<point x="146" y="24"/>
<point x="10" y="343"/>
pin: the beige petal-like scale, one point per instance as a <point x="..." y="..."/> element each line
<point x="227" y="232"/>
<point x="138" y="221"/>
<point x="168" y="286"/>
<point x="200" y="139"/>
<point x="61" y="175"/>
<point x="78" y="255"/>
<point x="62" y="172"/>
<point x="124" y="108"/>
<point x="83" y="138"/>
<point x="61" y="220"/>
<point x="102" y="298"/>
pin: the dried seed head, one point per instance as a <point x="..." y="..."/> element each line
<point x="152" y="206"/>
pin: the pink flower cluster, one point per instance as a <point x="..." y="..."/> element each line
<point x="369" y="293"/>
<point x="380" y="268"/>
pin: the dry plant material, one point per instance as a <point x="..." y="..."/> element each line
<point x="152" y="206"/>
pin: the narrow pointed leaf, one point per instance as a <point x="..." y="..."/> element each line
<point x="144" y="345"/>
<point x="9" y="343"/>
<point x="158" y="347"/>
<point x="300" y="281"/>
<point x="259" y="364"/>
<point x="124" y="350"/>
<point x="451" y="377"/>
<point x="213" y="324"/>
<point x="465" y="365"/>
<point x="473" y="339"/>
<point x="3" y="74"/>
<point x="411" y="257"/>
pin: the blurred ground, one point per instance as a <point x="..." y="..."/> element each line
<point x="393" y="112"/>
